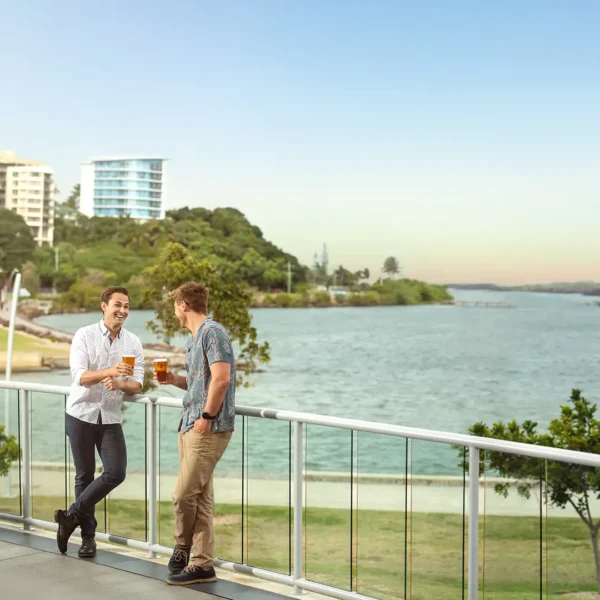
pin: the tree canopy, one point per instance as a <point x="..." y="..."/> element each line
<point x="16" y="241"/>
<point x="125" y="247"/>
<point x="229" y="301"/>
<point x="567" y="484"/>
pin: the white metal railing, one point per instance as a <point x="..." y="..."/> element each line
<point x="296" y="579"/>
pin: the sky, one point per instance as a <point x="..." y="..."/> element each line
<point x="461" y="137"/>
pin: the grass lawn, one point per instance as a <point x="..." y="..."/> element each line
<point x="509" y="548"/>
<point x="26" y="343"/>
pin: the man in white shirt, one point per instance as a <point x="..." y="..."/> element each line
<point x="100" y="378"/>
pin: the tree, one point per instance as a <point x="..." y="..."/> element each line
<point x="73" y="200"/>
<point x="362" y="274"/>
<point x="342" y="277"/>
<point x="9" y="451"/>
<point x="567" y="484"/>
<point x="16" y="241"/>
<point x="31" y="278"/>
<point x="229" y="301"/>
<point x="391" y="266"/>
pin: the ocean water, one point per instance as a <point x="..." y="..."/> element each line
<point x="436" y="367"/>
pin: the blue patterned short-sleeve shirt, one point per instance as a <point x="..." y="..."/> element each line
<point x="210" y="344"/>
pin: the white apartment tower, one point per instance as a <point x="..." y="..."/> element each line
<point x="124" y="186"/>
<point x="28" y="188"/>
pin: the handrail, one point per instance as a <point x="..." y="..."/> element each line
<point x="429" y="435"/>
<point x="297" y="577"/>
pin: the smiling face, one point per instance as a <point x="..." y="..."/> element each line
<point x="116" y="310"/>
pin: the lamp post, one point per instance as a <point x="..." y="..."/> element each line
<point x="15" y="276"/>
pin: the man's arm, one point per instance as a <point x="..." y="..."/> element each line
<point x="218" y="352"/>
<point x="130" y="387"/>
<point x="134" y="383"/>
<point x="79" y="363"/>
<point x="179" y="381"/>
<point x="220" y="374"/>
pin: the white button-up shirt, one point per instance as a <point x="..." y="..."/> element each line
<point x="92" y="350"/>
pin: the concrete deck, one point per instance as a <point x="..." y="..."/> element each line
<point x="31" y="566"/>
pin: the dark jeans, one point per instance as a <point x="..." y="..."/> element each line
<point x="110" y="442"/>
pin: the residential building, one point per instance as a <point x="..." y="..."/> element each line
<point x="132" y="186"/>
<point x="28" y="188"/>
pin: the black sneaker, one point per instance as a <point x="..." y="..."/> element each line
<point x="193" y="574"/>
<point x="67" y="523"/>
<point x="180" y="559"/>
<point x="88" y="546"/>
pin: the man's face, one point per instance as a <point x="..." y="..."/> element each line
<point x="180" y="313"/>
<point x="116" y="310"/>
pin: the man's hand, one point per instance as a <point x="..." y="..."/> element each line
<point x="120" y="370"/>
<point x="170" y="378"/>
<point x="112" y="384"/>
<point x="202" y="426"/>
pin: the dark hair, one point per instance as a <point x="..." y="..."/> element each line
<point x="107" y="294"/>
<point x="195" y="295"/>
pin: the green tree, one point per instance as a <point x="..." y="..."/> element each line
<point x="229" y="302"/>
<point x="391" y="266"/>
<point x="43" y="258"/>
<point x="343" y="277"/>
<point x="577" y="428"/>
<point x="9" y="451"/>
<point x="16" y="241"/>
<point x="31" y="278"/>
<point x="73" y="200"/>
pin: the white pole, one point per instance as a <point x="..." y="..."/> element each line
<point x="152" y="455"/>
<point x="298" y="483"/>
<point x="473" y="531"/>
<point x="8" y="372"/>
<point x="289" y="279"/>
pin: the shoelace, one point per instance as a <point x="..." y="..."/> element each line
<point x="192" y="569"/>
<point x="180" y="554"/>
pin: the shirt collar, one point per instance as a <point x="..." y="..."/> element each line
<point x="201" y="327"/>
<point x="105" y="331"/>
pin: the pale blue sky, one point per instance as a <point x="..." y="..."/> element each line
<point x="462" y="137"/>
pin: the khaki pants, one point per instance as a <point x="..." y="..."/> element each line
<point x="199" y="454"/>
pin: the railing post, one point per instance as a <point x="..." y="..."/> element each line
<point x="473" y="560"/>
<point x="298" y="486"/>
<point x="26" y="458"/>
<point x="152" y="459"/>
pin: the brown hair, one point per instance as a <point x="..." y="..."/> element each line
<point x="195" y="295"/>
<point x="107" y="294"/>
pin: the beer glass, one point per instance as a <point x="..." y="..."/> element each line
<point x="160" y="368"/>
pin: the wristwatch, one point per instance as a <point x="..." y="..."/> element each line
<point x="208" y="417"/>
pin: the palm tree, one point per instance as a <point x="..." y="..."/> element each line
<point x="391" y="266"/>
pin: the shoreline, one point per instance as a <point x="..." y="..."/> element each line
<point x="321" y="492"/>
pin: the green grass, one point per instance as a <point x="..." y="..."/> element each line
<point x="25" y="343"/>
<point x="510" y="546"/>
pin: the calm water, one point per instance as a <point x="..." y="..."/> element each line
<point x="436" y="367"/>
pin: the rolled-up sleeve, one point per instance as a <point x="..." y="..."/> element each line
<point x="78" y="358"/>
<point x="138" y="369"/>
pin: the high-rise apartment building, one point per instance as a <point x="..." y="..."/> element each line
<point x="113" y="187"/>
<point x="28" y="188"/>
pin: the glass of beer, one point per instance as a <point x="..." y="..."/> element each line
<point x="160" y="368"/>
<point x="129" y="359"/>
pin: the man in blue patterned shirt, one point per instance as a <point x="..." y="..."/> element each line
<point x="204" y="433"/>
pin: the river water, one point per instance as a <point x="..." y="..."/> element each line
<point x="437" y="367"/>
